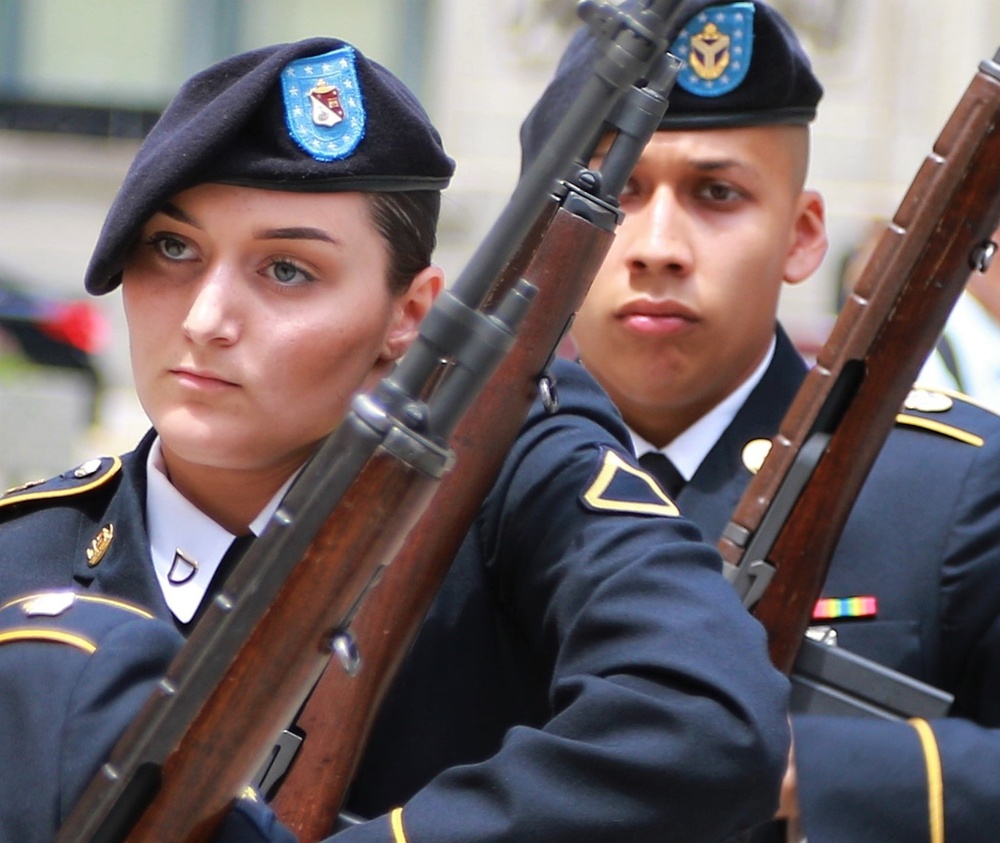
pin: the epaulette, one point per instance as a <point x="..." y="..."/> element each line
<point x="64" y="617"/>
<point x="930" y="401"/>
<point x="926" y="400"/>
<point x="87" y="476"/>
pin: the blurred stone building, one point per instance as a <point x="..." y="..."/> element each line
<point x="81" y="81"/>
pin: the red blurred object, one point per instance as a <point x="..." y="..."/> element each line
<point x="78" y="323"/>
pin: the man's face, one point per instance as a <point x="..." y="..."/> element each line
<point x="684" y="307"/>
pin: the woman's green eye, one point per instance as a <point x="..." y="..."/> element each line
<point x="288" y="273"/>
<point x="285" y="272"/>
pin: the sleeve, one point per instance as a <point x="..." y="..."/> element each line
<point x="252" y="821"/>
<point x="667" y="720"/>
<point x="108" y="692"/>
<point x="872" y="780"/>
<point x="70" y="680"/>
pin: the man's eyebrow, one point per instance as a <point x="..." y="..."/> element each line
<point x="296" y="233"/>
<point x="706" y="165"/>
<point x="710" y="165"/>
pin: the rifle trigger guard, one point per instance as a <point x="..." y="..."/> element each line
<point x="982" y="256"/>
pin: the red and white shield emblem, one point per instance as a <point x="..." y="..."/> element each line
<point x="326" y="107"/>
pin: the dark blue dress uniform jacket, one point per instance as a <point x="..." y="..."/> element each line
<point x="74" y="669"/>
<point x="586" y="674"/>
<point x="68" y="679"/>
<point x="924" y="539"/>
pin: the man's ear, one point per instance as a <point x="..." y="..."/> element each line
<point x="809" y="241"/>
<point x="411" y="308"/>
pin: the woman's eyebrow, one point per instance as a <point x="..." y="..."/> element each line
<point x="171" y="210"/>
<point x="289" y="233"/>
<point x="296" y="233"/>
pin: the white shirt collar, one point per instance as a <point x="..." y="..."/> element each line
<point x="688" y="450"/>
<point x="187" y="546"/>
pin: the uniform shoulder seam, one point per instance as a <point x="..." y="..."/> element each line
<point x="86" y="477"/>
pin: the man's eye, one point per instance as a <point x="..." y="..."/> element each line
<point x="718" y="192"/>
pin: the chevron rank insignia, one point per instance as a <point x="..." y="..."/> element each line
<point x="621" y="487"/>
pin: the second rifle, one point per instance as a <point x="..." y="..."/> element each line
<point x="780" y="540"/>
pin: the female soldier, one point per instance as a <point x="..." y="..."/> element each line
<point x="585" y="673"/>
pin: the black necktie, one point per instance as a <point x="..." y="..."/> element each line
<point x="664" y="471"/>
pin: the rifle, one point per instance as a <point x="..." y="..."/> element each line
<point x="270" y="633"/>
<point x="779" y="542"/>
<point x="340" y="714"/>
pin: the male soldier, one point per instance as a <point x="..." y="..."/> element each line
<point x="680" y="328"/>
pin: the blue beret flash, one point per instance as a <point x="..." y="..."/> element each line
<point x="323" y="105"/>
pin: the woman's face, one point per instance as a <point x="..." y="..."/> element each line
<point x="254" y="316"/>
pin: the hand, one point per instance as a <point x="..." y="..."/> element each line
<point x="788" y="806"/>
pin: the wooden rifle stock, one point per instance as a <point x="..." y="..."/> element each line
<point x="782" y="535"/>
<point x="266" y="639"/>
<point x="339" y="715"/>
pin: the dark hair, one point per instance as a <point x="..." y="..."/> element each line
<point x="407" y="220"/>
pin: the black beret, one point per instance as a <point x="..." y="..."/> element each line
<point x="744" y="66"/>
<point x="313" y="115"/>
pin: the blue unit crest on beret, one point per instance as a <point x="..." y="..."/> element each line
<point x="324" y="107"/>
<point x="716" y="46"/>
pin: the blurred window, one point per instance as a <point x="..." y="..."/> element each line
<point x="109" y="66"/>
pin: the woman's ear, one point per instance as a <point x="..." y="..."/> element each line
<point x="809" y="241"/>
<point x="411" y="308"/>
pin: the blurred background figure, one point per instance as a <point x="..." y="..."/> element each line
<point x="967" y="357"/>
<point x="48" y="330"/>
<point x="48" y="348"/>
